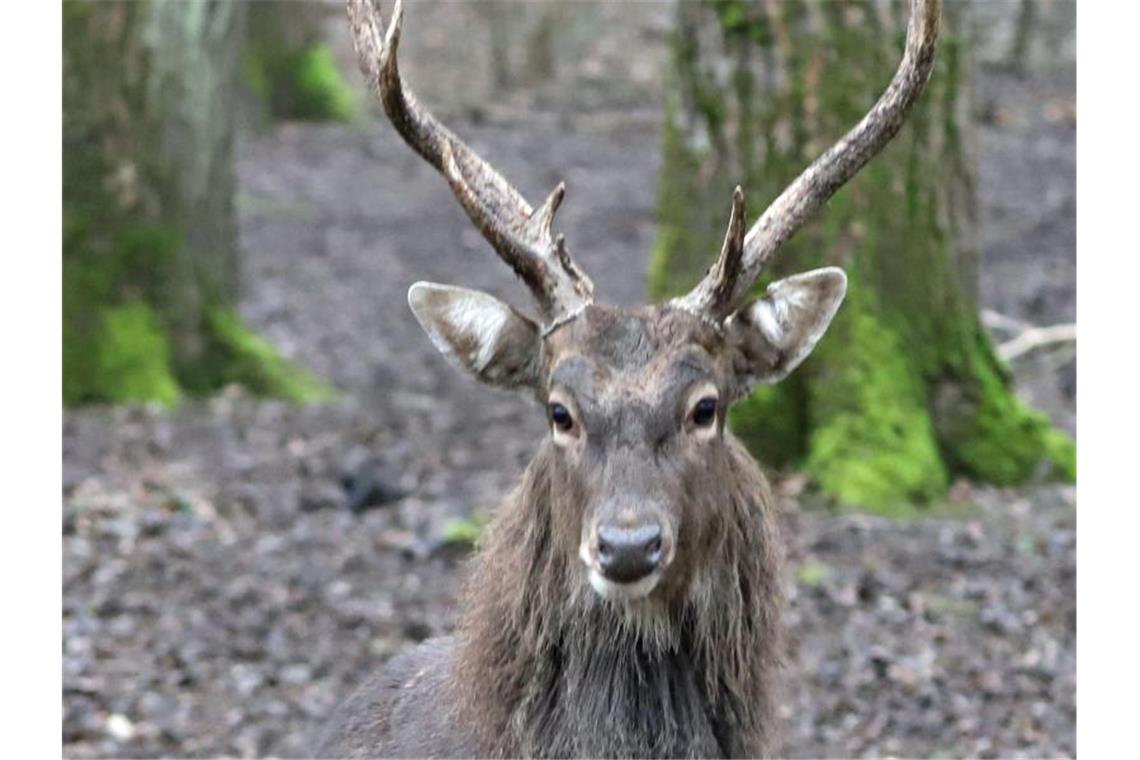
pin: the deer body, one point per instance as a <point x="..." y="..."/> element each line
<point x="626" y="598"/>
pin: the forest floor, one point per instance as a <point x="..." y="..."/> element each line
<point x="219" y="598"/>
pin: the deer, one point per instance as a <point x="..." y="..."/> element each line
<point x="625" y="598"/>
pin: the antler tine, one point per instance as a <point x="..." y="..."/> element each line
<point x="721" y="291"/>
<point x="521" y="236"/>
<point x="725" y="273"/>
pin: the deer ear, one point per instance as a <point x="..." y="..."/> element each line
<point x="479" y="333"/>
<point x="771" y="336"/>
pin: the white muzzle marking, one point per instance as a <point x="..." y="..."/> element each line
<point x="624" y="591"/>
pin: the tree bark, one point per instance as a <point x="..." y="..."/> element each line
<point x="150" y="263"/>
<point x="905" y="391"/>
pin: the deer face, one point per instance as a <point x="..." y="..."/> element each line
<point x="635" y="400"/>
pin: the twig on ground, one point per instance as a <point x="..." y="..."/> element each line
<point x="1037" y="337"/>
<point x="1026" y="337"/>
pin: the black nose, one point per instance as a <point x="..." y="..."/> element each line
<point x="626" y="555"/>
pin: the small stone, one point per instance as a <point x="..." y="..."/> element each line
<point x="991" y="682"/>
<point x="296" y="674"/>
<point x="417" y="630"/>
<point x="317" y="496"/>
<point x="119" y="727"/>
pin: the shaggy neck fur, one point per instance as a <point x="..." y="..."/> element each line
<point x="546" y="667"/>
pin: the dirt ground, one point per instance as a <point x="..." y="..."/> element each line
<point x="220" y="599"/>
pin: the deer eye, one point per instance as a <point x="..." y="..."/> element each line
<point x="704" y="413"/>
<point x="560" y="416"/>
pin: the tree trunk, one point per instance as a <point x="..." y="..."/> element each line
<point x="1022" y="36"/>
<point x="905" y="390"/>
<point x="150" y="267"/>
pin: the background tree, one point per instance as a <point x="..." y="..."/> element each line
<point x="289" y="65"/>
<point x="905" y="390"/>
<point x="150" y="259"/>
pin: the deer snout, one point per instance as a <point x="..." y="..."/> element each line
<point x="628" y="555"/>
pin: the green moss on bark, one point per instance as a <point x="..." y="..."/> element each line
<point x="131" y="357"/>
<point x="872" y="442"/>
<point x="249" y="360"/>
<point x="304" y="84"/>
<point x="990" y="434"/>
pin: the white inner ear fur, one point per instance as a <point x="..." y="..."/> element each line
<point x="774" y="313"/>
<point x="484" y="322"/>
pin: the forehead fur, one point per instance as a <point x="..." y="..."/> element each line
<point x="633" y="340"/>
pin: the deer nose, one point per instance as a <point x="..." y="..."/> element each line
<point x="628" y="555"/>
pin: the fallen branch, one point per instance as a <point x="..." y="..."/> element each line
<point x="1027" y="337"/>
<point x="1037" y="337"/>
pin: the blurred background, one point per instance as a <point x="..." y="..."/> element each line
<point x="272" y="480"/>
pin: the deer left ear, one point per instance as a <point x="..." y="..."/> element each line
<point x="771" y="336"/>
<point x="479" y="333"/>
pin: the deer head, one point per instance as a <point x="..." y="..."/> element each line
<point x="635" y="398"/>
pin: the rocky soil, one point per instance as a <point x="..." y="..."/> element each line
<point x="233" y="568"/>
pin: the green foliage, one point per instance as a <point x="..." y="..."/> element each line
<point x="132" y="358"/>
<point x="813" y="572"/>
<point x="301" y="84"/>
<point x="245" y="358"/>
<point x="466" y="531"/>
<point x="321" y="90"/>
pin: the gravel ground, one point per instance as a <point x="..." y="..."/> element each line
<point x="219" y="598"/>
<point x="216" y="601"/>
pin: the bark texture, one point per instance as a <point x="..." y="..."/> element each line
<point x="905" y="391"/>
<point x="151" y="264"/>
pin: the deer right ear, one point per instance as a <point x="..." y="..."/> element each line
<point x="773" y="334"/>
<point x="479" y="333"/>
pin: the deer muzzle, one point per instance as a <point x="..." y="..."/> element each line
<point x="627" y="554"/>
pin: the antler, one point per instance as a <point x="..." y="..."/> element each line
<point x="522" y="237"/>
<point x="729" y="281"/>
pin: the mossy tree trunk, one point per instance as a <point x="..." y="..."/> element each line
<point x="905" y="391"/>
<point x="150" y="259"/>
